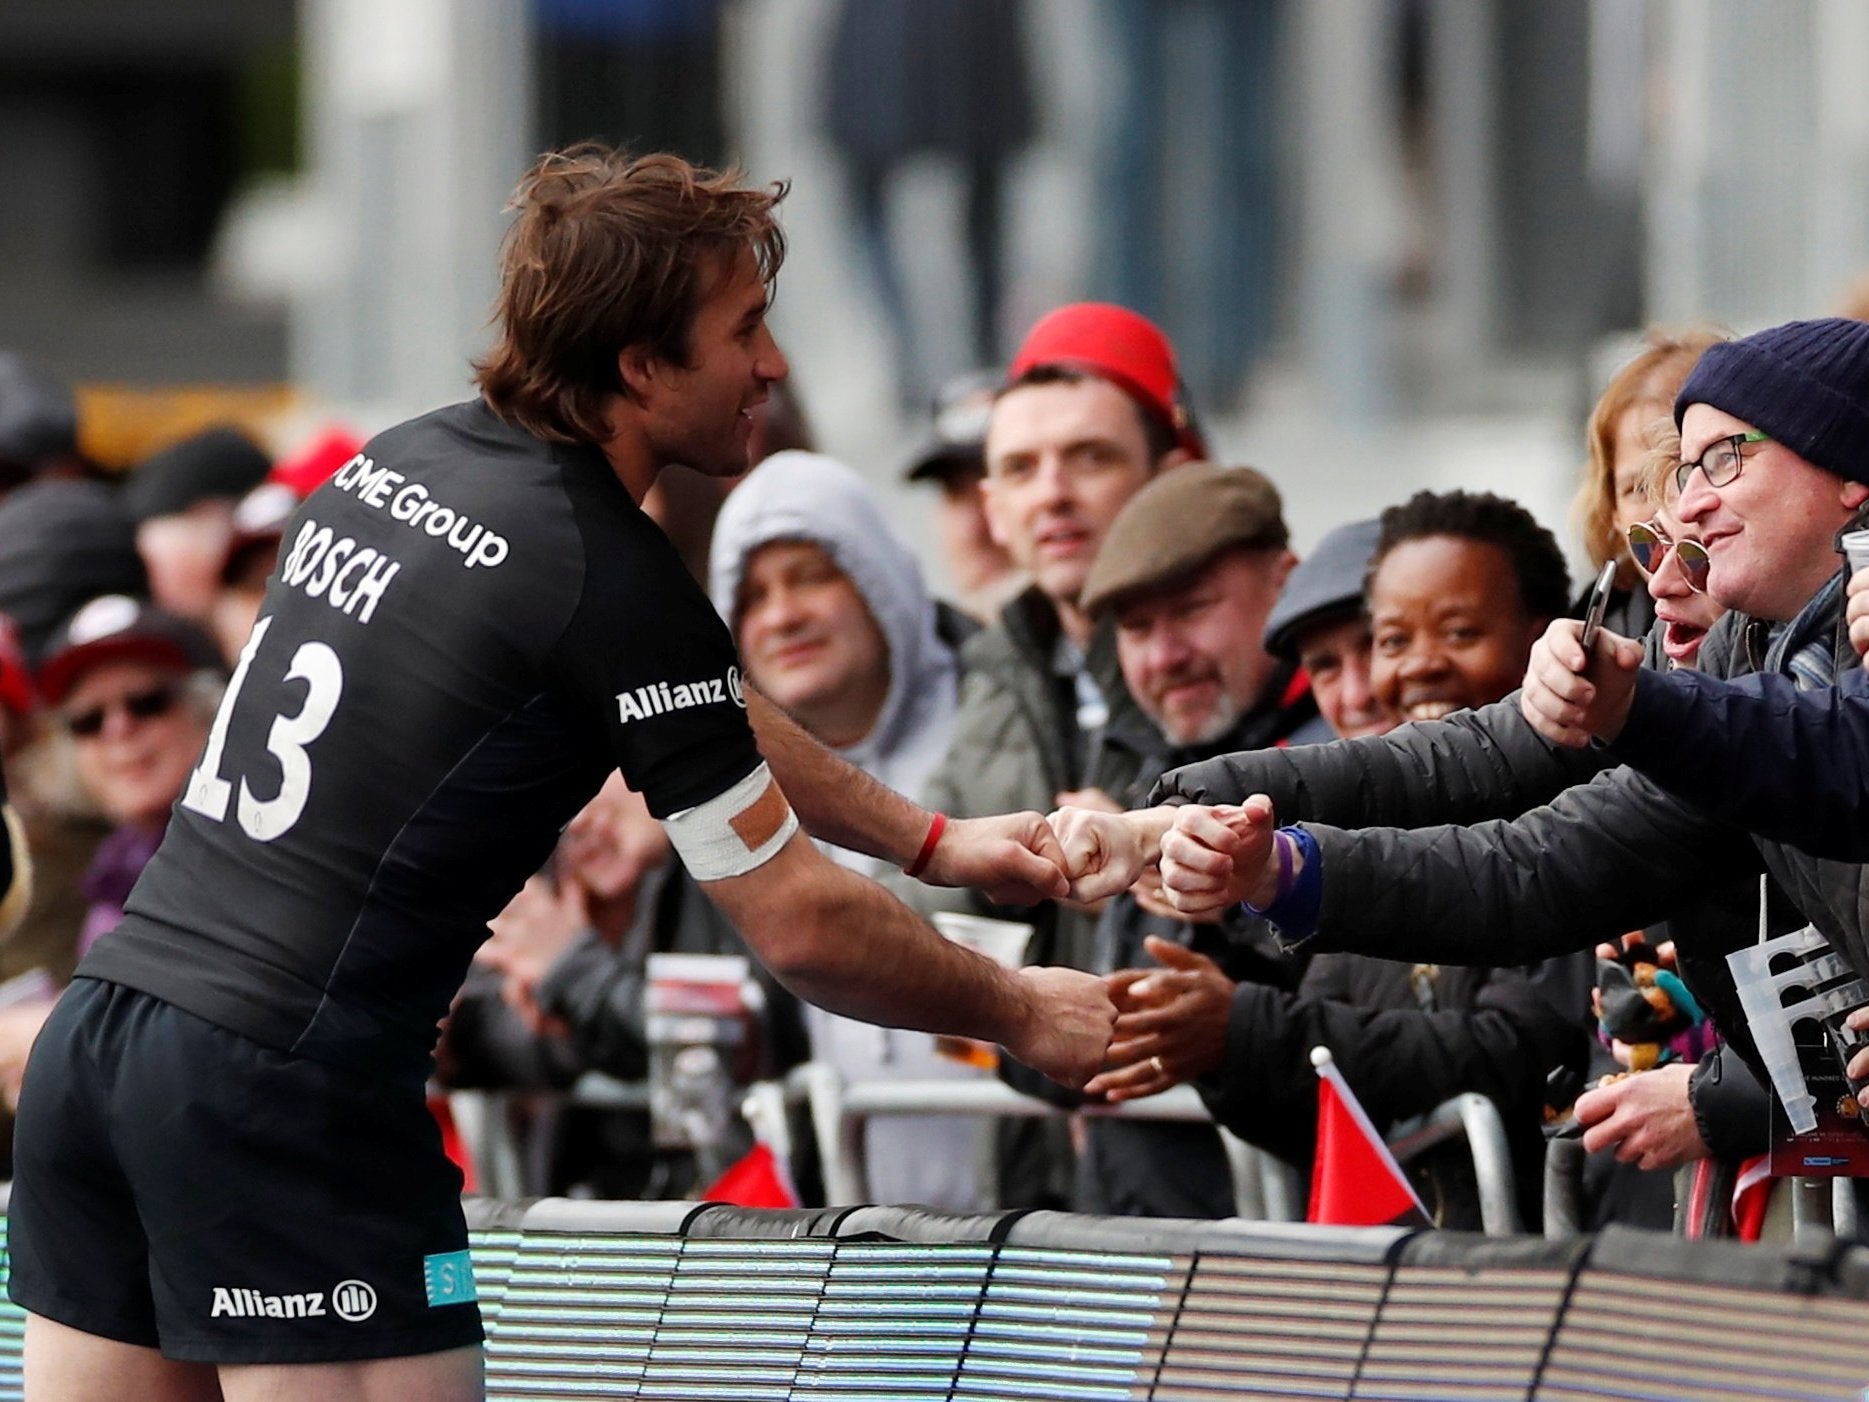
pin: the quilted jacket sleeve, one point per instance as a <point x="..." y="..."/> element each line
<point x="1471" y="766"/>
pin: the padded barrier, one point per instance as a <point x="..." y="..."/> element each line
<point x="1784" y="1323"/>
<point x="697" y="1301"/>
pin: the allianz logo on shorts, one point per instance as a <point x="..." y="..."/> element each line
<point x="352" y="1300"/>
<point x="659" y="698"/>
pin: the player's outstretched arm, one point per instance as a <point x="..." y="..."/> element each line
<point x="847" y="945"/>
<point x="1014" y="858"/>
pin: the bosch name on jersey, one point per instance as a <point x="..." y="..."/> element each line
<point x="659" y="698"/>
<point x="410" y="503"/>
<point x="335" y="570"/>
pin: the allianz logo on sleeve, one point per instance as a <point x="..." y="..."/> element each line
<point x="659" y="698"/>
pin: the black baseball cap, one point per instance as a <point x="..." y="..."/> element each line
<point x="956" y="440"/>
<point x="38" y="416"/>
<point x="1324" y="586"/>
<point x="62" y="543"/>
<point x="216" y="463"/>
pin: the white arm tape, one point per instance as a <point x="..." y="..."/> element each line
<point x="709" y="843"/>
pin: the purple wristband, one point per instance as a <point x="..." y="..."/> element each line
<point x="1284" y="844"/>
<point x="1286" y="847"/>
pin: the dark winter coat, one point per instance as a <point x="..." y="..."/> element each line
<point x="1787" y="764"/>
<point x="1613" y="854"/>
<point x="912" y="76"/>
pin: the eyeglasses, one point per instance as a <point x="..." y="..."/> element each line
<point x="1722" y="460"/>
<point x="138" y="705"/>
<point x="1649" y="546"/>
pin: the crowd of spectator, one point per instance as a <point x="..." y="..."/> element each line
<point x="1131" y="620"/>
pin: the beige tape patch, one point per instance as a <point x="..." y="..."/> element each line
<point x="759" y="822"/>
<point x="743" y="827"/>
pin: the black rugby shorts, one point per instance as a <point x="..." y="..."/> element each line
<point x="181" y="1187"/>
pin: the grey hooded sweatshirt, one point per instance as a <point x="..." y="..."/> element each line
<point x="797" y="496"/>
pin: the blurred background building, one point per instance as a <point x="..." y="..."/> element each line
<point x="1397" y="241"/>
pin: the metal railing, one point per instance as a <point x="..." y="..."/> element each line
<point x="1473" y="1117"/>
<point x="503" y="1167"/>
<point x="1265" y="1188"/>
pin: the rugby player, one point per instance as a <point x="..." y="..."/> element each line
<point x="227" y="1183"/>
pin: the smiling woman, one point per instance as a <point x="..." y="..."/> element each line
<point x="1460" y="587"/>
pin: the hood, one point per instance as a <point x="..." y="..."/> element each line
<point x="806" y="496"/>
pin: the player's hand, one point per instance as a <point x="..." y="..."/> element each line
<point x="1857" y="612"/>
<point x="1014" y="858"/>
<point x="1066" y="1030"/>
<point x="1571" y="696"/>
<point x="1103" y="851"/>
<point x="1215" y="857"/>
<point x="1171" y="1023"/>
<point x="1646" y="1117"/>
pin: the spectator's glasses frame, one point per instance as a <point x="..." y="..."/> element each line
<point x="1722" y="460"/>
<point x="1649" y="545"/>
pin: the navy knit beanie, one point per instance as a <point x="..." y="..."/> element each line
<point x="1805" y="383"/>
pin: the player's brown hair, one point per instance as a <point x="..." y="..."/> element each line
<point x="610" y="251"/>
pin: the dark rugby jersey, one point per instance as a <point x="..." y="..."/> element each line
<point x="467" y="630"/>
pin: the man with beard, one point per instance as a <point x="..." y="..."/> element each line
<point x="1459" y="585"/>
<point x="1188" y="574"/>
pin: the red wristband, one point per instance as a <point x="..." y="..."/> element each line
<point x="916" y="867"/>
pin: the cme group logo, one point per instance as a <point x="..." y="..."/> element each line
<point x="733" y="687"/>
<point x="353" y="1300"/>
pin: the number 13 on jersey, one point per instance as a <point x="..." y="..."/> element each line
<point x="264" y="819"/>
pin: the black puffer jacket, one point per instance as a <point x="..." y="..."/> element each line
<point x="1791" y="765"/>
<point x="1488" y="1031"/>
<point x="1613" y="854"/>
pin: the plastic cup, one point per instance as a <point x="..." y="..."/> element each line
<point x="1002" y="941"/>
<point x="1856" y="549"/>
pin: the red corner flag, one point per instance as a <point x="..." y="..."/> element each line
<point x="756" y="1180"/>
<point x="1355" y="1180"/>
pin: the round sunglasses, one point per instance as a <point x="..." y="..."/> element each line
<point x="1649" y="546"/>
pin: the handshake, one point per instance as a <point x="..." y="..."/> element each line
<point x="1197" y="859"/>
<point x="1130" y="1034"/>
